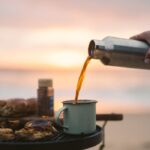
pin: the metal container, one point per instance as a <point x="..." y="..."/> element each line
<point x="119" y="52"/>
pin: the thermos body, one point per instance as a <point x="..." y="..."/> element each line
<point x="119" y="52"/>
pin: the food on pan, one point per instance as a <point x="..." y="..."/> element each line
<point x="36" y="130"/>
<point x="32" y="134"/>
<point x="18" y="121"/>
<point x="18" y="107"/>
<point x="31" y="131"/>
<point x="2" y="103"/>
<point x="6" y="134"/>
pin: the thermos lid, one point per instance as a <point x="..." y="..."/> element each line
<point x="45" y="83"/>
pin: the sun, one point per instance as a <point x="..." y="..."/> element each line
<point x="66" y="59"/>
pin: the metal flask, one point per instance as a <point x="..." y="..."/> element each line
<point x="119" y="52"/>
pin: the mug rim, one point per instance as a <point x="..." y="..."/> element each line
<point x="80" y="101"/>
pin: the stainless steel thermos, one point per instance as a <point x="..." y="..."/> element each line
<point x="119" y="52"/>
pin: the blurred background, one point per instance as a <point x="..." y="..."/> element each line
<point x="49" y="39"/>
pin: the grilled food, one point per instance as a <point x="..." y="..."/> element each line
<point x="18" y="107"/>
<point x="15" y="126"/>
<point x="31" y="134"/>
<point x="36" y="130"/>
<point x="3" y="124"/>
<point x="6" y="134"/>
<point x="2" y="103"/>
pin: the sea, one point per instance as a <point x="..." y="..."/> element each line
<point x="121" y="90"/>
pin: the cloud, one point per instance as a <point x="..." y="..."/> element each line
<point x="29" y="26"/>
<point x="97" y="14"/>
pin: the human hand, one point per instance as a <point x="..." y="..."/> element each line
<point x="144" y="36"/>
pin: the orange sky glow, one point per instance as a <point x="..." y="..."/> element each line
<point x="39" y="34"/>
<point x="53" y="36"/>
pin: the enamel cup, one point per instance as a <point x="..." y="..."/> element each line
<point x="79" y="118"/>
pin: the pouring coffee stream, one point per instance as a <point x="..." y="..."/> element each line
<point x="81" y="78"/>
<point x="115" y="51"/>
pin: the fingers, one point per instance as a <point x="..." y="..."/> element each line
<point x="144" y="36"/>
<point x="141" y="36"/>
<point x="147" y="57"/>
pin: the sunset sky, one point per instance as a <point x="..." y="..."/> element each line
<point x="53" y="36"/>
<point x="38" y="34"/>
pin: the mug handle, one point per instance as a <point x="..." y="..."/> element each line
<point x="57" y="116"/>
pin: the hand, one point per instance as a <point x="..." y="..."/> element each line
<point x="144" y="36"/>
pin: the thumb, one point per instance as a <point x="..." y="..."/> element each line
<point x="147" y="57"/>
<point x="140" y="36"/>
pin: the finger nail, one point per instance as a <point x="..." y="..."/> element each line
<point x="147" y="60"/>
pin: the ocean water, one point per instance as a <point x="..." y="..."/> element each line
<point x="116" y="90"/>
<point x="133" y="133"/>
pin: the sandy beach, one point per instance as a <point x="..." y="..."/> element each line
<point x="133" y="133"/>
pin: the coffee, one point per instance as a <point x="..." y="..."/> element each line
<point x="81" y="78"/>
<point x="73" y="122"/>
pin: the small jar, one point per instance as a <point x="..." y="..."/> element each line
<point x="45" y="94"/>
